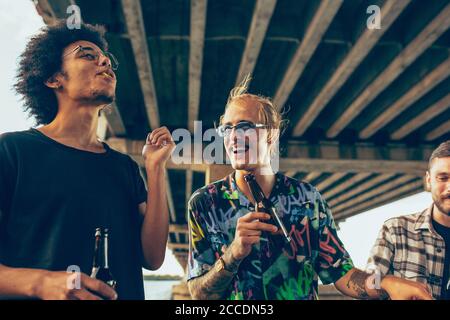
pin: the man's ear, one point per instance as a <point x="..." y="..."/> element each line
<point x="428" y="181"/>
<point x="53" y="82"/>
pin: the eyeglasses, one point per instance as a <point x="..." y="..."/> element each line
<point x="90" y="54"/>
<point x="224" y="130"/>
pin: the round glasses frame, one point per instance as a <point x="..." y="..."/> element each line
<point x="112" y="59"/>
<point x="224" y="130"/>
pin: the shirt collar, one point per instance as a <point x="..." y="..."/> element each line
<point x="424" y="221"/>
<point x="231" y="191"/>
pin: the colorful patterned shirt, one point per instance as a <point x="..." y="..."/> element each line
<point x="274" y="270"/>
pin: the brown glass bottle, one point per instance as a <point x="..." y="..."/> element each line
<point x="265" y="205"/>
<point x="100" y="265"/>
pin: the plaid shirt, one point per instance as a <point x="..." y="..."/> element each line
<point x="409" y="247"/>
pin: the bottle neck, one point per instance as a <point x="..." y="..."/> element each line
<point x="96" y="260"/>
<point x="256" y="192"/>
<point x="105" y="262"/>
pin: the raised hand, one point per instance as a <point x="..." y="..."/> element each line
<point x="158" y="147"/>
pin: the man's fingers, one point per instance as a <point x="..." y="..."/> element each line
<point x="423" y="294"/>
<point x="99" y="287"/>
<point x="249" y="233"/>
<point x="166" y="138"/>
<point x="427" y="288"/>
<point x="152" y="134"/>
<point x="261" y="226"/>
<point x="249" y="217"/>
<point x="278" y="232"/>
<point x="82" y="294"/>
<point x="155" y="135"/>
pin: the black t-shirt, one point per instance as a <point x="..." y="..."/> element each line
<point x="53" y="197"/>
<point x="444" y="232"/>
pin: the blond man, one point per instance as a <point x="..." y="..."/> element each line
<point x="237" y="253"/>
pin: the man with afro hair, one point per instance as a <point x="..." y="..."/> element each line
<point x="59" y="182"/>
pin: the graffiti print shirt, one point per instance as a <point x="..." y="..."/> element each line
<point x="274" y="270"/>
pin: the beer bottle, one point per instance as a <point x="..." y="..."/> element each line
<point x="100" y="267"/>
<point x="96" y="259"/>
<point x="265" y="205"/>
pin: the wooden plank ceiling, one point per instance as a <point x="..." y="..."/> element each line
<point x="365" y="107"/>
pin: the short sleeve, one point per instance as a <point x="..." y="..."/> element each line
<point x="7" y="177"/>
<point x="201" y="255"/>
<point x="333" y="260"/>
<point x="140" y="191"/>
<point x="382" y="253"/>
<point x="3" y="184"/>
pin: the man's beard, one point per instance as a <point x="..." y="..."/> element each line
<point x="439" y="203"/>
<point x="103" y="98"/>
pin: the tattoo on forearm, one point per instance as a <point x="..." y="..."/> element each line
<point x="231" y="263"/>
<point x="214" y="284"/>
<point x="210" y="286"/>
<point x="357" y="283"/>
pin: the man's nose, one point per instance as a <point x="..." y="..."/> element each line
<point x="237" y="135"/>
<point x="104" y="60"/>
<point x="232" y="136"/>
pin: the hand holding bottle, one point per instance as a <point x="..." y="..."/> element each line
<point x="248" y="232"/>
<point x="59" y="285"/>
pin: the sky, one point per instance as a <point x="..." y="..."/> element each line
<point x="19" y="21"/>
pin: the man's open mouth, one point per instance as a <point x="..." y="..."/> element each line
<point x="107" y="74"/>
<point x="237" y="150"/>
